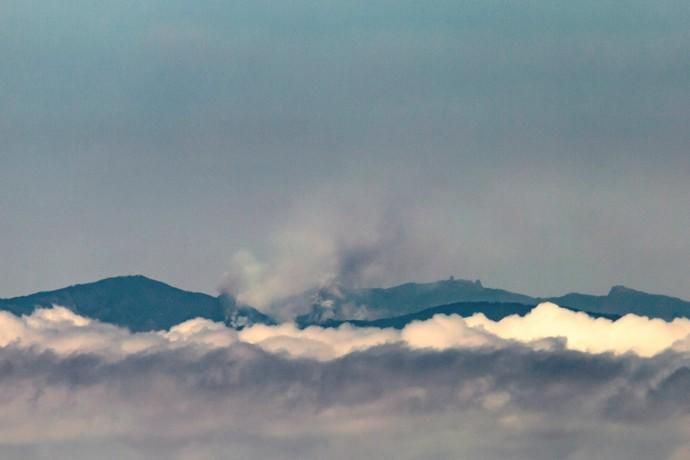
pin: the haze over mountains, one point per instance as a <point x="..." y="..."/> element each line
<point x="143" y="304"/>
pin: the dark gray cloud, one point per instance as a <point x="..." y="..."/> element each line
<point x="242" y="402"/>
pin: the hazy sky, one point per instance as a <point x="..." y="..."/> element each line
<point x="541" y="146"/>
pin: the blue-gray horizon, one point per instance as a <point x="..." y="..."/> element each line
<point x="539" y="146"/>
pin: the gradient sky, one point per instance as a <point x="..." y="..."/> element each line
<point x="541" y="146"/>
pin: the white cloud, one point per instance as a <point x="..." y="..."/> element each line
<point x="444" y="388"/>
<point x="64" y="332"/>
<point x="631" y="333"/>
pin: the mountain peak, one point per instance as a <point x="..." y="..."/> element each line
<point x="142" y="279"/>
<point x="620" y="289"/>
<point x="119" y="280"/>
<point x="462" y="282"/>
<point x="138" y="303"/>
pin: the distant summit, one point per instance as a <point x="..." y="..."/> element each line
<point x="338" y="303"/>
<point x="495" y="311"/>
<point x="622" y="300"/>
<point x="138" y="303"/>
<point x="143" y="304"/>
<point x="332" y="305"/>
<point x="622" y="290"/>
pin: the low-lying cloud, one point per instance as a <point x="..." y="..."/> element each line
<point x="552" y="384"/>
<point x="546" y="327"/>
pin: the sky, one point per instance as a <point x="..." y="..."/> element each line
<point x="541" y="146"/>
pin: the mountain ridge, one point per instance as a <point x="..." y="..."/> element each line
<point x="335" y="302"/>
<point x="143" y="304"/>
<point x="138" y="303"/>
<point x="621" y="300"/>
<point x="369" y="304"/>
<point x="494" y="311"/>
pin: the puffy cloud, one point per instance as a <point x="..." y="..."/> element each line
<point x="317" y="342"/>
<point x="203" y="332"/>
<point x="630" y="333"/>
<point x="530" y="388"/>
<point x="62" y="331"/>
<point x="546" y="327"/>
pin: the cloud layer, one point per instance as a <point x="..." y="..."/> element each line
<point x="527" y="388"/>
<point x="546" y="327"/>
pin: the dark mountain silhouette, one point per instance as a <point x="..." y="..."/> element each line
<point x="138" y="303"/>
<point x="493" y="310"/>
<point x="337" y="303"/>
<point x="622" y="300"/>
<point x="143" y="304"/>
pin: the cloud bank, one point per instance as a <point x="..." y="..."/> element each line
<point x="553" y="384"/>
<point x="546" y="327"/>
